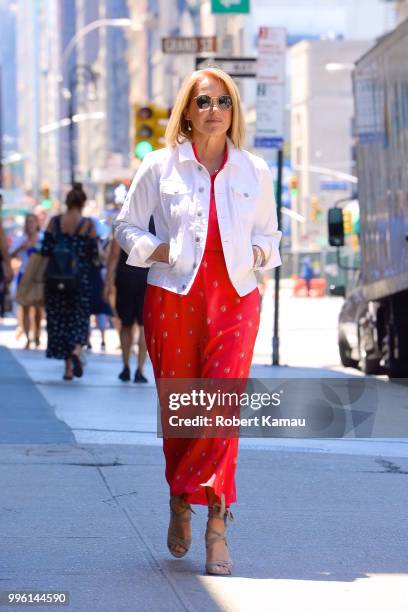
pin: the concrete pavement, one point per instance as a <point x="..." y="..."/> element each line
<point x="313" y="531"/>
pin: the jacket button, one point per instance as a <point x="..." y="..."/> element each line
<point x="183" y="286"/>
<point x="199" y="213"/>
<point x="200" y="169"/>
<point x="246" y="195"/>
<point x="201" y="189"/>
<point x="197" y="239"/>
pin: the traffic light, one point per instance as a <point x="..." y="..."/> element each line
<point x="347" y="221"/>
<point x="293" y="185"/>
<point x="150" y="125"/>
<point x="335" y="226"/>
<point x="316" y="213"/>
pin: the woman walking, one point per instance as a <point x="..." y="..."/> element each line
<point x="22" y="248"/>
<point x="70" y="243"/>
<point x="128" y="284"/>
<point x="215" y="218"/>
<point x="6" y="272"/>
<point x="100" y="308"/>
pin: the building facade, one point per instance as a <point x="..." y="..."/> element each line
<point x="28" y="93"/>
<point x="102" y="96"/>
<point x="130" y="68"/>
<point x="46" y="79"/>
<point x="321" y="132"/>
<point x="11" y="157"/>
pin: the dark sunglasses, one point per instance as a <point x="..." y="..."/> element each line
<point x="204" y="101"/>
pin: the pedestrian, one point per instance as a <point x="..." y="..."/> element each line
<point x="6" y="272"/>
<point x="307" y="274"/>
<point x="100" y="307"/>
<point x="215" y="217"/>
<point x="22" y="248"/>
<point x="129" y="283"/>
<point x="70" y="243"/>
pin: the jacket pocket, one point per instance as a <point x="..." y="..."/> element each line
<point x="176" y="198"/>
<point x="245" y="199"/>
<point x="177" y="201"/>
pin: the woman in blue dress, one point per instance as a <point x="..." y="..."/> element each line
<point x="22" y="248"/>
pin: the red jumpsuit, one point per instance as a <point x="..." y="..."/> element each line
<point x="208" y="333"/>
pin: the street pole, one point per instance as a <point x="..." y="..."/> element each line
<point x="89" y="76"/>
<point x="275" y="339"/>
<point x="71" y="138"/>
<point x="122" y="22"/>
<point x="90" y="27"/>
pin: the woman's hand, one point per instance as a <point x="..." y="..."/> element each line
<point x="255" y="250"/>
<point x="107" y="291"/>
<point x="20" y="249"/>
<point x="161" y="253"/>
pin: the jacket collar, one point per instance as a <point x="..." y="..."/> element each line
<point x="186" y="153"/>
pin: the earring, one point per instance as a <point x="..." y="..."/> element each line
<point x="189" y="125"/>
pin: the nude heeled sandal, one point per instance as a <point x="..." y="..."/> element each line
<point x="181" y="516"/>
<point x="218" y="511"/>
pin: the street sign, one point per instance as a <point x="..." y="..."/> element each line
<point x="334" y="186"/>
<point x="189" y="44"/>
<point x="230" y="6"/>
<point x="239" y="67"/>
<point x="270" y="93"/>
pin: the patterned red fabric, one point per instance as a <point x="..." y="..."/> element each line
<point x="208" y="333"/>
<point x="213" y="242"/>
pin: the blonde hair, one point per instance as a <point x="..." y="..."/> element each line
<point x="177" y="127"/>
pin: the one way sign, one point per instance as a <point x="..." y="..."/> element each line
<point x="230" y="6"/>
<point x="239" y="67"/>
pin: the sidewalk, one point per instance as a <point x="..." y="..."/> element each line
<point x="313" y="532"/>
<point x="25" y="416"/>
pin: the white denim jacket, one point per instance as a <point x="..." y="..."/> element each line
<point x="175" y="188"/>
